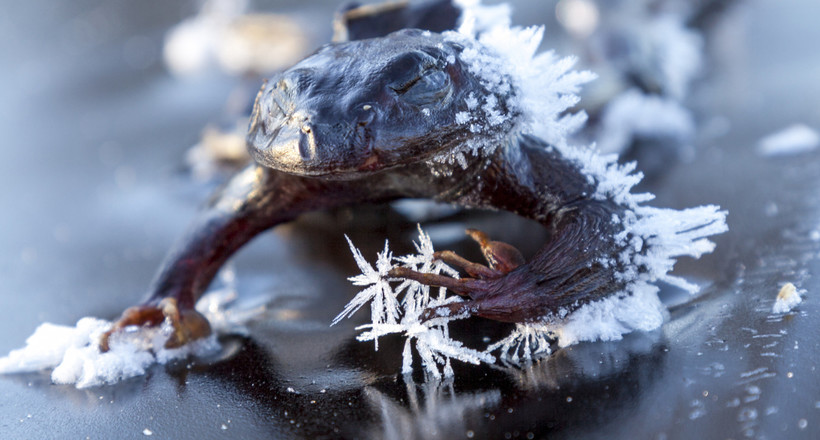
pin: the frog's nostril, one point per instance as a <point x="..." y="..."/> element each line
<point x="306" y="146"/>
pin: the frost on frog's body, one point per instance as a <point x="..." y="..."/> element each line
<point x="475" y="118"/>
<point x="538" y="91"/>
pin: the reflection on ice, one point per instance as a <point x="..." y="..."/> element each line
<point x="433" y="410"/>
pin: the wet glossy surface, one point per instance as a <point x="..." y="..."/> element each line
<point x="91" y="165"/>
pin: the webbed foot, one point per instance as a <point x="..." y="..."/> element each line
<point x="187" y="324"/>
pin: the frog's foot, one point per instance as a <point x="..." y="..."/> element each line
<point x="187" y="324"/>
<point x="503" y="258"/>
<point x="482" y="282"/>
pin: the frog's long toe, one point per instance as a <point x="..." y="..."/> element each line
<point x="483" y="282"/>
<point x="461" y="286"/>
<point x="188" y="324"/>
<point x="508" y="289"/>
<point x="448" y="310"/>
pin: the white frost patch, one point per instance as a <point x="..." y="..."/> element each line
<point x="794" y="139"/>
<point x="74" y="355"/>
<point x="673" y="51"/>
<point x="613" y="317"/>
<point x="480" y="17"/>
<point x="787" y="299"/>
<point x="633" y="114"/>
<point x="190" y="46"/>
<point x="605" y="320"/>
<point x="224" y="35"/>
<point x="525" y="92"/>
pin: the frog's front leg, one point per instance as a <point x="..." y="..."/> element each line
<point x="254" y="200"/>
<point x="501" y="257"/>
<point x="577" y="264"/>
<point x="567" y="272"/>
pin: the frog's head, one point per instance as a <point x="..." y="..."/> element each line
<point x="369" y="105"/>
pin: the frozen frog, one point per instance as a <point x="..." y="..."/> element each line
<point x="419" y="114"/>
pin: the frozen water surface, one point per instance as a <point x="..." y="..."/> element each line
<point x="95" y="133"/>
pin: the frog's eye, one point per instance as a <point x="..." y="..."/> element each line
<point x="431" y="87"/>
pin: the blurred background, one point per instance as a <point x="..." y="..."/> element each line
<point x="119" y="118"/>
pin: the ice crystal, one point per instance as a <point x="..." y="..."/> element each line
<point x="389" y="316"/>
<point x="538" y="88"/>
<point x="528" y="342"/>
<point x="431" y="337"/>
<point x="524" y="92"/>
<point x="384" y="308"/>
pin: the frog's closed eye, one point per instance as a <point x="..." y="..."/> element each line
<point x="430" y="87"/>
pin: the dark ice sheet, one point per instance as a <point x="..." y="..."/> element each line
<point x="93" y="136"/>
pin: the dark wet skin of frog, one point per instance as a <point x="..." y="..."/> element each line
<point x="371" y="121"/>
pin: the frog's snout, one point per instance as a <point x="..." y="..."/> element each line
<point x="306" y="134"/>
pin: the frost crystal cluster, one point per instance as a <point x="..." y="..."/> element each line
<point x="527" y="92"/>
<point x="399" y="310"/>
<point x="530" y="93"/>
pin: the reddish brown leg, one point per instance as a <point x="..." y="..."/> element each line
<point x="254" y="200"/>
